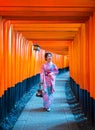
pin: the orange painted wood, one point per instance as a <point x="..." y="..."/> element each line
<point x="17" y="58"/>
<point x="9" y="55"/>
<point x="91" y="74"/>
<point x="92" y="55"/>
<point x="51" y="3"/>
<point x="13" y="76"/>
<point x="5" y="43"/>
<point x="1" y="59"/>
<point x="93" y="35"/>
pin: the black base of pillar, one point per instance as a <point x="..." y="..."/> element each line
<point x="13" y="94"/>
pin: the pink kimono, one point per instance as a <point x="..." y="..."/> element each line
<point x="48" y="74"/>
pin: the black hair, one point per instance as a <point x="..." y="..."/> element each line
<point x="46" y="55"/>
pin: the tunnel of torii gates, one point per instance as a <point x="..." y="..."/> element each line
<point x="64" y="27"/>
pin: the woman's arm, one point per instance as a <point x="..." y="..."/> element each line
<point x="54" y="71"/>
<point x="42" y="74"/>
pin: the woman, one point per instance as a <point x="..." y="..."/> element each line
<point x="48" y="73"/>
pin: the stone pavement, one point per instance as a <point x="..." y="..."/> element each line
<point x="59" y="118"/>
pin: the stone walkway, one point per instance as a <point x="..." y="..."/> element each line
<point x="59" y="118"/>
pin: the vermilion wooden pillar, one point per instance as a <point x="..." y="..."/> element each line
<point x="1" y="59"/>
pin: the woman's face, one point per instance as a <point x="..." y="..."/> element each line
<point x="49" y="58"/>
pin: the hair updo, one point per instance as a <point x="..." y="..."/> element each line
<point x="46" y="55"/>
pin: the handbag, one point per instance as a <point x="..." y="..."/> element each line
<point x="39" y="91"/>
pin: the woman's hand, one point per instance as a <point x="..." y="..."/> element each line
<point x="50" y="74"/>
<point x="41" y="83"/>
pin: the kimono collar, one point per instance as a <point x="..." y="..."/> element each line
<point x="49" y="63"/>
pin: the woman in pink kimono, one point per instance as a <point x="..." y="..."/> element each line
<point x="48" y="74"/>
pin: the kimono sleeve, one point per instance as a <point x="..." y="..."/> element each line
<point x="42" y="74"/>
<point x="55" y="70"/>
